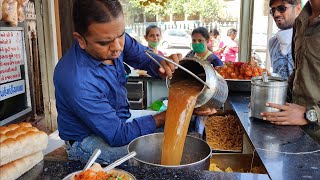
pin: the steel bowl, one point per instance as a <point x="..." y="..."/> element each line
<point x="117" y="171"/>
<point x="196" y="154"/>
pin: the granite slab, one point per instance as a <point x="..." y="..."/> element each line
<point x="54" y="170"/>
<point x="287" y="152"/>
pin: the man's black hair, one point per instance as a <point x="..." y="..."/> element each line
<point x="201" y="30"/>
<point x="292" y="2"/>
<point x="86" y="12"/>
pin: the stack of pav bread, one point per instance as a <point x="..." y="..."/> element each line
<point x="21" y="148"/>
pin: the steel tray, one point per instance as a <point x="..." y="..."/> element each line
<point x="237" y="85"/>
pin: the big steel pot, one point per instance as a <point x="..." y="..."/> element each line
<point x="272" y="91"/>
<point x="196" y="154"/>
<point x="212" y="96"/>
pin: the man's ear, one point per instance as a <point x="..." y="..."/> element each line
<point x="298" y="9"/>
<point x="80" y="39"/>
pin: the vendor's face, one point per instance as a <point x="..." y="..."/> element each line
<point x="154" y="35"/>
<point x="315" y="4"/>
<point x="284" y="13"/>
<point x="103" y="41"/>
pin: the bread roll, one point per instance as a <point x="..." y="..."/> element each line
<point x="20" y="140"/>
<point x="15" y="169"/>
<point x="10" y="12"/>
<point x="1" y="9"/>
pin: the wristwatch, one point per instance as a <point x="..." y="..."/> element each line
<point x="311" y="115"/>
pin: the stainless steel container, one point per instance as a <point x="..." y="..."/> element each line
<point x="196" y="153"/>
<point x="272" y="91"/>
<point x="215" y="94"/>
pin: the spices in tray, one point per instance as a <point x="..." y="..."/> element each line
<point x="224" y="133"/>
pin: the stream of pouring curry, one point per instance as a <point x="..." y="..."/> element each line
<point x="181" y="102"/>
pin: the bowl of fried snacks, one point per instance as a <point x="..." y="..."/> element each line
<point x="97" y="172"/>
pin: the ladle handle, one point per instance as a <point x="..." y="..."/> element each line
<point x="92" y="159"/>
<point x="120" y="161"/>
<point x="265" y="77"/>
<point x="148" y="52"/>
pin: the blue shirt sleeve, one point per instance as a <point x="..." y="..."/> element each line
<point x="134" y="56"/>
<point x="215" y="60"/>
<point x="95" y="111"/>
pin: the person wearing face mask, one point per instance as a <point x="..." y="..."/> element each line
<point x="153" y="37"/>
<point x="213" y="44"/>
<point x="284" y="12"/>
<point x="200" y="40"/>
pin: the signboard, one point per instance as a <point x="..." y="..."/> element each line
<point x="11" y="89"/>
<point x="14" y="82"/>
<point x="10" y="55"/>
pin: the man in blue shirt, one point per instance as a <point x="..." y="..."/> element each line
<point x="284" y="13"/>
<point x="89" y="80"/>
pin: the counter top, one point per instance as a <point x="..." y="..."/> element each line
<point x="52" y="170"/>
<point x="287" y="152"/>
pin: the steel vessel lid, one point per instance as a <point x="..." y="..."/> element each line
<point x="272" y="81"/>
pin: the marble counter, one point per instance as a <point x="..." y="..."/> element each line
<point x="287" y="152"/>
<point x="54" y="170"/>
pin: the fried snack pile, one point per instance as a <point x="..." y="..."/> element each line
<point x="95" y="172"/>
<point x="215" y="168"/>
<point x="239" y="70"/>
<point x="258" y="170"/>
<point x="224" y="132"/>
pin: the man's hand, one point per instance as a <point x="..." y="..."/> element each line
<point x="167" y="68"/>
<point x="160" y="119"/>
<point x="290" y="114"/>
<point x="204" y="111"/>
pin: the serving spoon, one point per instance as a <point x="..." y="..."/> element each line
<point x="120" y="161"/>
<point x="92" y="159"/>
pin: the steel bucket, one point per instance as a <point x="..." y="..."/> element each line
<point x="196" y="153"/>
<point x="214" y="94"/>
<point x="272" y="91"/>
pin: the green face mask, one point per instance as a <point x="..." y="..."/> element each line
<point x="198" y="47"/>
<point x="153" y="44"/>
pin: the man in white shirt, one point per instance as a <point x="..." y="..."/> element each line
<point x="284" y="13"/>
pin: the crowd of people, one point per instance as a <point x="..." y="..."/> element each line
<point x="216" y="48"/>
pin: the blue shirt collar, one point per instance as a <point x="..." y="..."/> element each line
<point x="92" y="59"/>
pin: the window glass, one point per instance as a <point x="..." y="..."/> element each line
<point x="181" y="14"/>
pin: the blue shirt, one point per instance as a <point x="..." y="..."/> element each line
<point x="212" y="58"/>
<point x="282" y="65"/>
<point x="91" y="97"/>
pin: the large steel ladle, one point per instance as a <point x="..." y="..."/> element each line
<point x="148" y="52"/>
